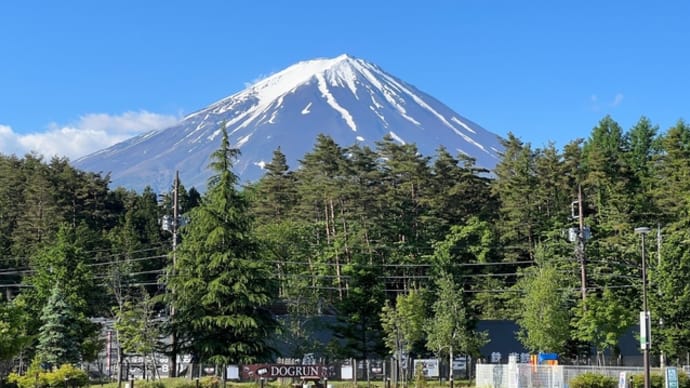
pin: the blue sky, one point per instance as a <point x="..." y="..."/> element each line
<point x="76" y="76"/>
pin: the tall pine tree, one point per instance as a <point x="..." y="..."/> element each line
<point x="220" y="287"/>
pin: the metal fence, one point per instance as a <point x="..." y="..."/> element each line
<point x="514" y="375"/>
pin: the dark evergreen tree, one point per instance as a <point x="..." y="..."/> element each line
<point x="459" y="190"/>
<point x="642" y="150"/>
<point x="59" y="335"/>
<point x="321" y="178"/>
<point x="359" y="326"/>
<point x="39" y="217"/>
<point x="220" y="287"/>
<point x="65" y="263"/>
<point x="607" y="188"/>
<point x="519" y="215"/>
<point x="275" y="194"/>
<point x="670" y="275"/>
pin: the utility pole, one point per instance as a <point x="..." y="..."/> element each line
<point x="579" y="239"/>
<point x="581" y="243"/>
<point x="662" y="358"/>
<point x="645" y="329"/>
<point x="173" y="334"/>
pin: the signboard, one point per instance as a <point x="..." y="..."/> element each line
<point x="429" y="367"/>
<point x="645" y="338"/>
<point x="460" y="363"/>
<point x="232" y="372"/>
<point x="671" y="377"/>
<point x="346" y="372"/>
<point x="280" y="370"/>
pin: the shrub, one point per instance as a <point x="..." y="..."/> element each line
<point x="180" y="383"/>
<point x="209" y="382"/>
<point x="35" y="377"/>
<point x="593" y="380"/>
<point x="419" y="379"/>
<point x="657" y="380"/>
<point x="149" y="384"/>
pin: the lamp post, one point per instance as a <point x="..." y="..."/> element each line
<point x="645" y="334"/>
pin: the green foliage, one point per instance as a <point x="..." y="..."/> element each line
<point x="59" y="335"/>
<point x="419" y="379"/>
<point x="151" y="384"/>
<point x="221" y="288"/>
<point x="451" y="328"/>
<point x="209" y="382"/>
<point x="14" y="335"/>
<point x="35" y="377"/>
<point x="352" y="227"/>
<point x="543" y="320"/>
<point x="593" y="380"/>
<point x="404" y="323"/>
<point x="64" y="290"/>
<point x="656" y="380"/>
<point x="137" y="330"/>
<point x="601" y="321"/>
<point x="359" y="324"/>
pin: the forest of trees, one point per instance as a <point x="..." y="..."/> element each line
<point x="402" y="251"/>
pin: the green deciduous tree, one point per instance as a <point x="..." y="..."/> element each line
<point x="137" y="330"/>
<point x="14" y="335"/>
<point x="543" y="312"/>
<point x="451" y="328"/>
<point x="601" y="320"/>
<point x="403" y="325"/>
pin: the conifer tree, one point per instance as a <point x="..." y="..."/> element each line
<point x="275" y="194"/>
<point x="358" y="325"/>
<point x="220" y="287"/>
<point x="514" y="186"/>
<point x="58" y="337"/>
<point x="64" y="263"/>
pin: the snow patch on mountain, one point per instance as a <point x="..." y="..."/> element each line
<point x="305" y="111"/>
<point x="323" y="88"/>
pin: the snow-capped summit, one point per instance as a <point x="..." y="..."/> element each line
<point x="347" y="98"/>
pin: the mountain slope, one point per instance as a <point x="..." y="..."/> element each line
<point x="349" y="99"/>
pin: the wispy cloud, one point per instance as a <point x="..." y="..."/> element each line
<point x="92" y="132"/>
<point x="594" y="102"/>
<point x="596" y="105"/>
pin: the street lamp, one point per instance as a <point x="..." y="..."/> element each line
<point x="645" y="334"/>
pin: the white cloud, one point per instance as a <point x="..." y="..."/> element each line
<point x="92" y="132"/>
<point x="596" y="105"/>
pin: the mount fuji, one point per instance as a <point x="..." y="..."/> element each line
<point x="349" y="99"/>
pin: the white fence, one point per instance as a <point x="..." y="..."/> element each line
<point x="514" y="375"/>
